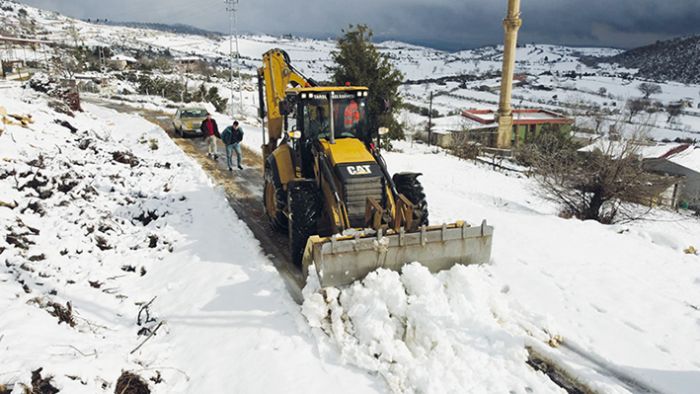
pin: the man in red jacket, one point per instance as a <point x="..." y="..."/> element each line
<point x="211" y="132"/>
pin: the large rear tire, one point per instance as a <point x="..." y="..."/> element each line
<point x="275" y="200"/>
<point x="304" y="202"/>
<point x="407" y="183"/>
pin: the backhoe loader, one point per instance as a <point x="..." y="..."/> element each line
<point x="328" y="187"/>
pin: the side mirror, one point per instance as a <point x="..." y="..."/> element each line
<point x="383" y="130"/>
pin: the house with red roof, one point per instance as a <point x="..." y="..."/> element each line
<point x="527" y="124"/>
<point x="675" y="160"/>
<point x="682" y="160"/>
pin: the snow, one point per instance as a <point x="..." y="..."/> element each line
<point x="228" y="322"/>
<point x="689" y="158"/>
<point x="684" y="155"/>
<point x="627" y="294"/>
<point x="599" y="288"/>
<point x="427" y="333"/>
<point x="602" y="287"/>
<point x="125" y="58"/>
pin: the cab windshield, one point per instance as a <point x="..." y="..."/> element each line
<point x="347" y="117"/>
<point x="193" y="113"/>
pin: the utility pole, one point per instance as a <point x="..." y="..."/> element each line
<point x="511" y="24"/>
<point x="430" y="120"/>
<point x="232" y="7"/>
<point x="103" y="61"/>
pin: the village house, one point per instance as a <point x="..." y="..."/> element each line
<point x="680" y="163"/>
<point x="683" y="161"/>
<point x="528" y="124"/>
<point x="121" y="62"/>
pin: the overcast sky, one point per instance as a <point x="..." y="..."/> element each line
<point x="445" y="24"/>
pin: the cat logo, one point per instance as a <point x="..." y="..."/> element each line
<point x="359" y="170"/>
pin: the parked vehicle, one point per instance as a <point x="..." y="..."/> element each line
<point x="188" y="120"/>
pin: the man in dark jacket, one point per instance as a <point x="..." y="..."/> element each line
<point x="232" y="137"/>
<point x="210" y="130"/>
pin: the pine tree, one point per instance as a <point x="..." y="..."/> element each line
<point x="358" y="62"/>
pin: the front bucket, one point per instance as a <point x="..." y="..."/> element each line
<point x="341" y="260"/>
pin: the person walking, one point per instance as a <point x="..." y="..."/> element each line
<point x="210" y="130"/>
<point x="232" y="137"/>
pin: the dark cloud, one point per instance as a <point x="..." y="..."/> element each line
<point x="449" y="24"/>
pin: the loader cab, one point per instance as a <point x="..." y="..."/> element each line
<point x="330" y="113"/>
<point x="322" y="116"/>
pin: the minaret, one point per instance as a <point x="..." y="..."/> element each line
<point x="505" y="114"/>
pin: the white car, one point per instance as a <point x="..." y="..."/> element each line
<point x="188" y="120"/>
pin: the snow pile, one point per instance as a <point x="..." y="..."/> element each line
<point x="426" y="333"/>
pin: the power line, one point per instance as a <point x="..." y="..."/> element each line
<point x="232" y="7"/>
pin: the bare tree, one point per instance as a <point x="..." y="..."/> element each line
<point x="605" y="184"/>
<point x="648" y="89"/>
<point x="673" y="110"/>
<point x="598" y="119"/>
<point x="73" y="33"/>
<point x="463" y="146"/>
<point x="66" y="64"/>
<point x="635" y="106"/>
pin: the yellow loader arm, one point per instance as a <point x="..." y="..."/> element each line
<point x="275" y="75"/>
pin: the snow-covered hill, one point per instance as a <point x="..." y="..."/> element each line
<point x="675" y="60"/>
<point x="554" y="77"/>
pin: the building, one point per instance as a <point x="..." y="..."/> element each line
<point x="442" y="131"/>
<point x="527" y="125"/>
<point x="121" y="62"/>
<point x="16" y="55"/>
<point x="681" y="160"/>
<point x="187" y="63"/>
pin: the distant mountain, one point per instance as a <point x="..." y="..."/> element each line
<point x="178" y="28"/>
<point x="672" y="60"/>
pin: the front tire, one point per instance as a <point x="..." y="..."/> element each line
<point x="304" y="201"/>
<point x="275" y="200"/>
<point x="407" y="183"/>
